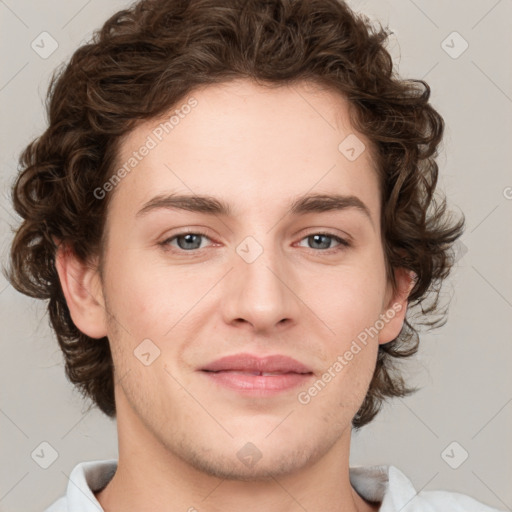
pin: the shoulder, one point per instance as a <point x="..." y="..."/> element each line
<point x="440" y="500"/>
<point x="402" y="490"/>
<point x="85" y="479"/>
<point x="389" y="486"/>
<point x="61" y="505"/>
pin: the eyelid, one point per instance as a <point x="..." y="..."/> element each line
<point x="183" y="232"/>
<point x="343" y="243"/>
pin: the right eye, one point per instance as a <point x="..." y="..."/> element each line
<point x="186" y="242"/>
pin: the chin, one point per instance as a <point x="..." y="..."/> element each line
<point x="255" y="461"/>
<point x="268" y="467"/>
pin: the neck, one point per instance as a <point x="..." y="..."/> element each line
<point x="151" y="477"/>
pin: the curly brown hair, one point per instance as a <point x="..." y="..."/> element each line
<point x="146" y="59"/>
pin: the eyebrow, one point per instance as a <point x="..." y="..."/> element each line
<point x="313" y="203"/>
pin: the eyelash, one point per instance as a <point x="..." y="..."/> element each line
<point x="343" y="244"/>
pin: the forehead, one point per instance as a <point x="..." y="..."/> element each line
<point x="255" y="147"/>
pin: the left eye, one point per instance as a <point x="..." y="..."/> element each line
<point x="319" y="238"/>
<point x="189" y="241"/>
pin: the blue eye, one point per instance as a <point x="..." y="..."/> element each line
<point x="319" y="238"/>
<point x="191" y="242"/>
<point x="186" y="241"/>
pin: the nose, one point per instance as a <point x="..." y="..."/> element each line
<point x="261" y="290"/>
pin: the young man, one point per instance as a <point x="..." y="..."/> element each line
<point x="228" y="213"/>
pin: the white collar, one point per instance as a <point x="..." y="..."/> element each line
<point x="384" y="484"/>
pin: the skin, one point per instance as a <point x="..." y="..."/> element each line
<point x="179" y="433"/>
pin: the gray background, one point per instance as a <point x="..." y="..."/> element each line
<point x="463" y="368"/>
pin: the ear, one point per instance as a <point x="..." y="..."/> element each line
<point x="395" y="305"/>
<point x="81" y="286"/>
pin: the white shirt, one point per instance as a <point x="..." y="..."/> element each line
<point x="385" y="484"/>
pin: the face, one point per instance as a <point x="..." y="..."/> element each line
<point x="187" y="284"/>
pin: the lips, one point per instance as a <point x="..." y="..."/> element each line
<point x="253" y="365"/>
<point x="253" y="376"/>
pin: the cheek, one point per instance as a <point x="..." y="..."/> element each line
<point x="348" y="301"/>
<point x="145" y="299"/>
<point x="149" y="298"/>
<point x="159" y="304"/>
